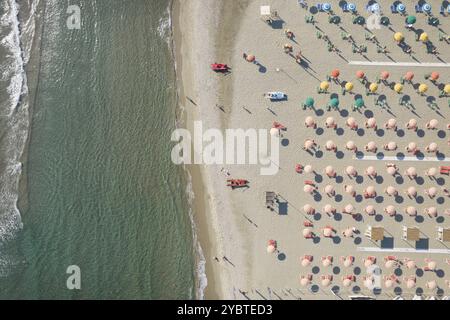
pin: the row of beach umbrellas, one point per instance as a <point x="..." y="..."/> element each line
<point x="372" y="123"/>
<point x="412" y="148"/>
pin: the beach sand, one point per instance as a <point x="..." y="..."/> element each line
<point x="222" y="214"/>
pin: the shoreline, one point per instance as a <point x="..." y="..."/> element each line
<point x="208" y="200"/>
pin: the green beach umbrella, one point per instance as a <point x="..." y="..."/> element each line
<point x="309" y="102"/>
<point x="411" y="20"/>
<point x="334" y="103"/>
<point x="359" y="103"/>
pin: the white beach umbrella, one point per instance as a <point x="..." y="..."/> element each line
<point x="432" y="211"/>
<point x="431" y="265"/>
<point x="371" y="123"/>
<point x="308" y="209"/>
<point x="348" y="262"/>
<point x="330" y="145"/>
<point x="410" y="264"/>
<point x="431" y="172"/>
<point x="432" y="124"/>
<point x="368" y="282"/>
<point x="410" y="283"/>
<point x="391" y="170"/>
<point x="431" y="192"/>
<point x="371" y="146"/>
<point x="392" y="145"/>
<point x="327" y="232"/>
<point x="328" y="209"/>
<point x="308" y="168"/>
<point x="390" y="190"/>
<point x="275" y="132"/>
<point x="371" y="171"/>
<point x="305" y="262"/>
<point x="309" y="144"/>
<point x="370" y="210"/>
<point x="412" y="146"/>
<point x="350" y="145"/>
<point x="412" y="124"/>
<point x="370" y="190"/>
<point x="346" y="282"/>
<point x="348" y="208"/>
<point x="411" y="171"/>
<point x="388" y="283"/>
<point x="349" y="189"/>
<point x="348" y="232"/>
<point x="309" y="121"/>
<point x="390" y="210"/>
<point x="326" y="282"/>
<point x="326" y="262"/>
<point x="431" y="284"/>
<point x="391" y="123"/>
<point x="411" y="211"/>
<point x="330" y="122"/>
<point x="432" y="147"/>
<point x="389" y="263"/>
<point x="329" y="171"/>
<point x="271" y="248"/>
<point x="304" y="281"/>
<point x="308" y="188"/>
<point x="351" y="122"/>
<point x="329" y="189"/>
<point x="307" y="232"/>
<point x="351" y="171"/>
<point x="411" y="191"/>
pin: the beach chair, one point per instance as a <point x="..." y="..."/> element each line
<point x="302" y="3"/>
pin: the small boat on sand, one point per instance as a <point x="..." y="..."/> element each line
<point x="275" y="95"/>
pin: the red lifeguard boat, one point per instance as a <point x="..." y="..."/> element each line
<point x="237" y="183"/>
<point x="219" y="67"/>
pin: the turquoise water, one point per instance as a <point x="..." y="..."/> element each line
<point x="102" y="192"/>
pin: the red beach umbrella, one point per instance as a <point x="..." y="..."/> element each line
<point x="434" y="76"/>
<point x="335" y="73"/>
<point x="360" y="74"/>
<point x="384" y="75"/>
<point x="409" y="76"/>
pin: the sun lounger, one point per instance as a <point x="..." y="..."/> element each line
<point x="344" y="7"/>
<point x="418" y="8"/>
<point x="394" y="9"/>
<point x="319" y="6"/>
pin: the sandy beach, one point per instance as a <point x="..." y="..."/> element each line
<point x="236" y="223"/>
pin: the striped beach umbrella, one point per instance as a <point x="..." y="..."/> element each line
<point x="401" y="7"/>
<point x="326" y="6"/>
<point x="426" y="7"/>
<point x="351" y="7"/>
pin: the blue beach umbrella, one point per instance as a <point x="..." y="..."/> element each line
<point x="401" y="7"/>
<point x="426" y="7"/>
<point x="351" y="7"/>
<point x="326" y="7"/>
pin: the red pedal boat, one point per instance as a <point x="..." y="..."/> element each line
<point x="235" y="183"/>
<point x="219" y="67"/>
